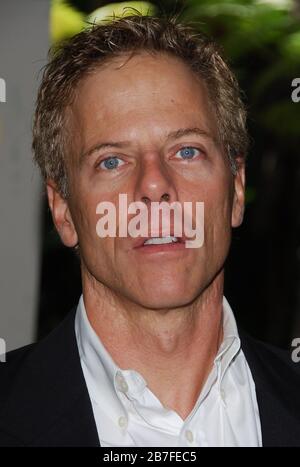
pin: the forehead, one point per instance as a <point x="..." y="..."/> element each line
<point x="138" y="95"/>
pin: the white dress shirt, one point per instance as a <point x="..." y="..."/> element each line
<point x="127" y="413"/>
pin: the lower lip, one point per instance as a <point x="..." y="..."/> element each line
<point x="162" y="248"/>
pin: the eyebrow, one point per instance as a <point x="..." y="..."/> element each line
<point x="170" y="137"/>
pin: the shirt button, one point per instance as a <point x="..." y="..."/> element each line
<point x="223" y="395"/>
<point x="121" y="383"/>
<point x="189" y="436"/>
<point x="124" y="386"/>
<point x="122" y="422"/>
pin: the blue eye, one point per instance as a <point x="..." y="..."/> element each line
<point x="188" y="152"/>
<point x="111" y="163"/>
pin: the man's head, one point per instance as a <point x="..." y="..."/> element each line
<point x="149" y="88"/>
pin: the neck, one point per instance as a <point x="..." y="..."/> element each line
<point x="161" y="344"/>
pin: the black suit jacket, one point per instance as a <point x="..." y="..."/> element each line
<point x="44" y="399"/>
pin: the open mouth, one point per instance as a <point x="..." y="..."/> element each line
<point x="162" y="243"/>
<point x="161" y="240"/>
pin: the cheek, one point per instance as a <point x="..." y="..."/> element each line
<point x="87" y="197"/>
<point x="214" y="191"/>
<point x="85" y="218"/>
<point x="217" y="199"/>
<point x="218" y="231"/>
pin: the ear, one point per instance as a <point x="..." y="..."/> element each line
<point x="61" y="215"/>
<point x="238" y="204"/>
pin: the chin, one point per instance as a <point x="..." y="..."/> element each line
<point x="169" y="291"/>
<point x="158" y="300"/>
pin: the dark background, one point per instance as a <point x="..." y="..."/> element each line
<point x="262" y="279"/>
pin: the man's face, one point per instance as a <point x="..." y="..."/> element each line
<point x="138" y="106"/>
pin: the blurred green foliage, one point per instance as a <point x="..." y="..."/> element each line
<point x="65" y="21"/>
<point x="262" y="40"/>
<point x="121" y="9"/>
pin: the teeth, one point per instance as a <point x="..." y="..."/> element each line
<point x="160" y="240"/>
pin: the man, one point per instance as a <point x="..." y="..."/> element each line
<point x="152" y="355"/>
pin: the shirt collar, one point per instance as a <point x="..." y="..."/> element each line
<point x="91" y="349"/>
<point x="104" y="373"/>
<point x="231" y="343"/>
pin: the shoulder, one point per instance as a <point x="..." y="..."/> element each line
<point x="277" y="384"/>
<point x="15" y="360"/>
<point x="262" y="355"/>
<point x="32" y="375"/>
<point x="40" y="355"/>
<point x="276" y="375"/>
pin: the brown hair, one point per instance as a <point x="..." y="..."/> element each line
<point x="74" y="59"/>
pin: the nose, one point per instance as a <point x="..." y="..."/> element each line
<point x="154" y="183"/>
